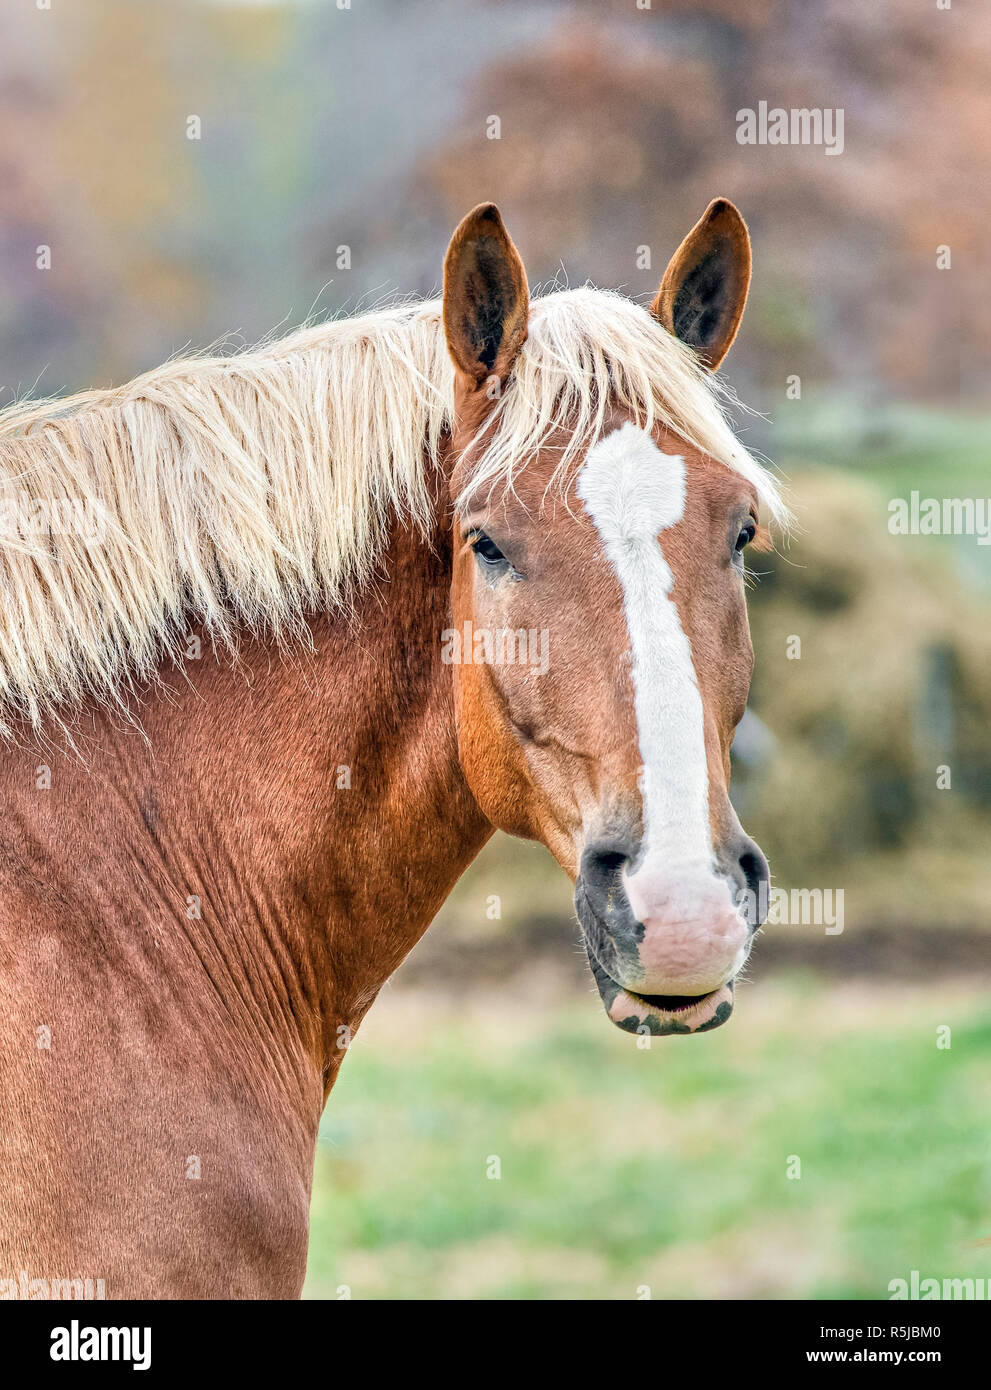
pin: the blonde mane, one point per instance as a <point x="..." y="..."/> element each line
<point x="242" y="492"/>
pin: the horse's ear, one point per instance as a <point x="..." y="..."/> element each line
<point x="486" y="300"/>
<point x="705" y="286"/>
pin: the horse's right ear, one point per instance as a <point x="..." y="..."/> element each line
<point x="486" y="300"/>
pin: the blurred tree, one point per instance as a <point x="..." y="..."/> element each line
<point x="621" y="126"/>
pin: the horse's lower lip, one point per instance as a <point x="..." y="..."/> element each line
<point x="662" y="1015"/>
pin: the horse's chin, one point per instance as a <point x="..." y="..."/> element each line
<point x="662" y="1014"/>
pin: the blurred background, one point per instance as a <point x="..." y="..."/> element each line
<point x="177" y="173"/>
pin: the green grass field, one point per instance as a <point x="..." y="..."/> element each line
<point x="666" y="1169"/>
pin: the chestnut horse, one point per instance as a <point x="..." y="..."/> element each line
<point x="243" y="764"/>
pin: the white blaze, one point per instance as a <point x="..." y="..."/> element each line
<point x="633" y="493"/>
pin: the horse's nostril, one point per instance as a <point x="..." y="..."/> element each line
<point x="601" y="867"/>
<point x="609" y="862"/>
<point x="754" y="869"/>
<point x="756" y="876"/>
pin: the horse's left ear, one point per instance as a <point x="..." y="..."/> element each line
<point x="486" y="299"/>
<point x="705" y="286"/>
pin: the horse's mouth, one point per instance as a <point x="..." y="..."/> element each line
<point x="661" y="1014"/>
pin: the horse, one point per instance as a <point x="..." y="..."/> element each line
<point x="242" y="765"/>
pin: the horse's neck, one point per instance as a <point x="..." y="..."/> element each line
<point x="289" y="828"/>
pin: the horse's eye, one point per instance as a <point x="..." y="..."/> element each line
<point x="487" y="550"/>
<point x="745" y="537"/>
